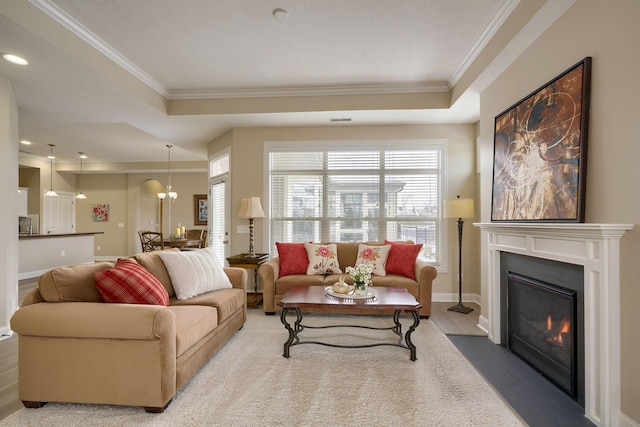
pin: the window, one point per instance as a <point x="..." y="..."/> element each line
<point x="356" y="192"/>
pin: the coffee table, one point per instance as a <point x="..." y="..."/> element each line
<point x="386" y="298"/>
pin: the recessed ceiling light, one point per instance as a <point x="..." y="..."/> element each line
<point x="15" y="59"/>
<point x="25" y="142"/>
<point x="280" y="14"/>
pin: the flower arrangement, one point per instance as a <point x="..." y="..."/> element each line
<point x="361" y="273"/>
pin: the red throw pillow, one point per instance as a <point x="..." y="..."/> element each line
<point x="293" y="258"/>
<point x="129" y="282"/>
<point x="402" y="259"/>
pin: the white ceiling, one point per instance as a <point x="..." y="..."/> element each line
<point x="120" y="79"/>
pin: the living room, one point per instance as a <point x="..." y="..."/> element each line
<point x="579" y="32"/>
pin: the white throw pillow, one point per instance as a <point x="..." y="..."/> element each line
<point x="195" y="272"/>
<point x="374" y="255"/>
<point x="323" y="259"/>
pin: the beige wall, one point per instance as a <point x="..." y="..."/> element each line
<point x="248" y="179"/>
<point x="133" y="203"/>
<point x="613" y="149"/>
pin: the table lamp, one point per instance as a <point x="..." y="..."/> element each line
<point x="251" y="208"/>
<point x="459" y="208"/>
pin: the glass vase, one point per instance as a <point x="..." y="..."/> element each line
<point x="360" y="289"/>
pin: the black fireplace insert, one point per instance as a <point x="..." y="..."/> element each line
<point x="542" y="318"/>
<point x="542" y="328"/>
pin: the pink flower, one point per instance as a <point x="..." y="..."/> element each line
<point x="324" y="252"/>
<point x="369" y="254"/>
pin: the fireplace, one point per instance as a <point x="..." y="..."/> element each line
<point x="543" y="320"/>
<point x="595" y="249"/>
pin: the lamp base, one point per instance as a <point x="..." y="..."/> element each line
<point x="460" y="309"/>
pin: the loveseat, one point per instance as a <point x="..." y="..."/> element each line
<point x="417" y="276"/>
<point x="74" y="347"/>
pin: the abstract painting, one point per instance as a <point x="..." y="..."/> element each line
<point x="540" y="152"/>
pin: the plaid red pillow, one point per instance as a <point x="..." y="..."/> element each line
<point x="129" y="282"/>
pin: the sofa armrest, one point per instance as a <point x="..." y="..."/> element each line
<point x="237" y="276"/>
<point x="269" y="272"/>
<point x="425" y="274"/>
<point x="95" y="320"/>
<point x="33" y="297"/>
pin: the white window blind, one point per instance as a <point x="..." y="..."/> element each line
<point x="356" y="192"/>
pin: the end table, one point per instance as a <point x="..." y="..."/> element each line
<point x="245" y="261"/>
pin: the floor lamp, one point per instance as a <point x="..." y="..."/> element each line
<point x="250" y="208"/>
<point x="459" y="208"/>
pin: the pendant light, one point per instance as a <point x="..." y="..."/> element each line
<point x="81" y="195"/>
<point x="171" y="194"/>
<point x="51" y="192"/>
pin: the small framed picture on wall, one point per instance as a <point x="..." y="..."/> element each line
<point x="200" y="209"/>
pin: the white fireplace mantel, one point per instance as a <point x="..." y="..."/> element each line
<point x="596" y="247"/>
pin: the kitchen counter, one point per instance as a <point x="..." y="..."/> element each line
<point x="39" y="253"/>
<point x="37" y="236"/>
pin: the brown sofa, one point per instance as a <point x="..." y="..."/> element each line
<point x="74" y="348"/>
<point x="274" y="287"/>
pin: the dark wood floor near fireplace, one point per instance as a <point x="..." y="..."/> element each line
<point x="534" y="398"/>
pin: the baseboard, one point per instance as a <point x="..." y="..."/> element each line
<point x="483" y="323"/>
<point x="108" y="258"/>
<point x="627" y="422"/>
<point x="449" y="297"/>
<point x="5" y="333"/>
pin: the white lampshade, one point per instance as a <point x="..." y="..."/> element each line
<point x="459" y="208"/>
<point x="250" y="207"/>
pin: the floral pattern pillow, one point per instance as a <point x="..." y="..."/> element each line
<point x="323" y="259"/>
<point x="374" y="255"/>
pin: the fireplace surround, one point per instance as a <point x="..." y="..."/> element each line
<point x="595" y="247"/>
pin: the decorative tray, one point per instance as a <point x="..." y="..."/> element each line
<point x="371" y="293"/>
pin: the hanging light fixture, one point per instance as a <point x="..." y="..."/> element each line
<point x="51" y="192"/>
<point x="81" y="195"/>
<point x="171" y="194"/>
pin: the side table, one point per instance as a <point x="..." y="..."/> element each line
<point x="244" y="261"/>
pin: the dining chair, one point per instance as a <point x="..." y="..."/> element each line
<point x="150" y="240"/>
<point x="198" y="234"/>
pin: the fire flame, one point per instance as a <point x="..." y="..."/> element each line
<point x="565" y="327"/>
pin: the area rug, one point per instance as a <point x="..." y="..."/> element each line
<point x="249" y="383"/>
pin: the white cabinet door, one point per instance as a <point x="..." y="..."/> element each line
<point x="59" y="214"/>
<point x="23" y="197"/>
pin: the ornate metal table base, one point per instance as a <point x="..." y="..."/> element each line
<point x="298" y="327"/>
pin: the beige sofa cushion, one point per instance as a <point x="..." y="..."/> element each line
<point x="287" y="282"/>
<point x="192" y="324"/>
<point x="226" y="301"/>
<point x="152" y="262"/>
<point x="72" y="284"/>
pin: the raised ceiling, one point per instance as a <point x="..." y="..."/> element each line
<point x="120" y="79"/>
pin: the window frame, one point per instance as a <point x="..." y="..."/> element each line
<point x="438" y="144"/>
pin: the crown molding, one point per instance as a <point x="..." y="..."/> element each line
<point x="497" y="22"/>
<point x="310" y="91"/>
<point x="96" y="42"/>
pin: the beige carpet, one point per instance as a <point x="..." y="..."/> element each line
<point x="249" y="383"/>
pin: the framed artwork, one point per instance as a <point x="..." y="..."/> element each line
<point x="540" y="152"/>
<point x="100" y="212"/>
<point x="200" y="209"/>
